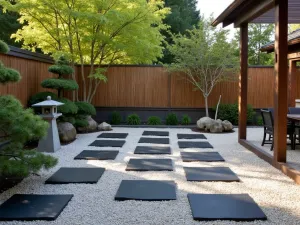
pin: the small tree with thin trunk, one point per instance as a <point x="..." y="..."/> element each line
<point x="204" y="57"/>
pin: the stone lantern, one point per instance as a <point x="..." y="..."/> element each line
<point x="51" y="142"/>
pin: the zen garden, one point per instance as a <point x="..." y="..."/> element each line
<point x="149" y="112"/>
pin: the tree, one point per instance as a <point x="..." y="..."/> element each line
<point x="204" y="57"/>
<point x="99" y="33"/>
<point x="184" y="15"/>
<point x="18" y="126"/>
<point x="259" y="35"/>
<point x="294" y="27"/>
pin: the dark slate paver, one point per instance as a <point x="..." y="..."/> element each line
<point x="76" y="175"/>
<point x="156" y="133"/>
<point x="155" y="150"/>
<point x="113" y="135"/>
<point x="33" y="207"/>
<point x="108" y="143"/>
<point x="224" y="174"/>
<point x="190" y="144"/>
<point x="191" y="136"/>
<point x="97" y="155"/>
<point x="201" y="157"/>
<point x="150" y="165"/>
<point x="146" y="190"/>
<point x="237" y="207"/>
<point x="155" y="140"/>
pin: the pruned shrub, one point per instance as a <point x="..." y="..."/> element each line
<point x="8" y="75"/>
<point x="186" y="120"/>
<point x="3" y="47"/>
<point x="133" y="119"/>
<point x="230" y="112"/>
<point x="154" y="120"/>
<point x="85" y="108"/>
<point x="171" y="119"/>
<point x="116" y="118"/>
<point x="65" y="84"/>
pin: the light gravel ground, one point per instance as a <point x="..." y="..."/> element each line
<point x="93" y="204"/>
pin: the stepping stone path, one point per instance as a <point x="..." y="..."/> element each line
<point x="187" y="144"/>
<point x="150" y="165"/>
<point x="152" y="150"/>
<point x="97" y="155"/>
<point x="146" y="190"/>
<point x="33" y="207"/>
<point x="236" y="207"/>
<point x="76" y="175"/>
<point x="201" y="157"/>
<point x="156" y="133"/>
<point x="107" y="143"/>
<point x="165" y="141"/>
<point x="113" y="135"/>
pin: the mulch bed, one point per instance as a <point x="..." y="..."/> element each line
<point x="7" y="183"/>
<point x="195" y="129"/>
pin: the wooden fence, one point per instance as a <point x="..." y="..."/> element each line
<point x="144" y="86"/>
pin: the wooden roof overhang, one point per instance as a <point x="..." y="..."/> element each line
<point x="255" y="11"/>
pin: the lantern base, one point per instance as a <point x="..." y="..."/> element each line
<point x="51" y="142"/>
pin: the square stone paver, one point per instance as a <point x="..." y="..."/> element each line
<point x="156" y="133"/>
<point x="113" y="135"/>
<point x="76" y="175"/>
<point x="201" y="157"/>
<point x="210" y="174"/>
<point x="33" y="207"/>
<point x="108" y="143"/>
<point x="191" y="136"/>
<point x="146" y="190"/>
<point x="237" y="207"/>
<point x="155" y="140"/>
<point x="190" y="144"/>
<point x="97" y="155"/>
<point x="150" y="165"/>
<point x="155" y="150"/>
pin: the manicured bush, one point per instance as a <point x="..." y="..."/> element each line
<point x="65" y="84"/>
<point x="133" y="119"/>
<point x="116" y="118"/>
<point x="85" y="108"/>
<point x="172" y="119"/>
<point x="154" y="120"/>
<point x="3" y="47"/>
<point x="230" y="112"/>
<point x="185" y="120"/>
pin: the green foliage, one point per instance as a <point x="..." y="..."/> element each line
<point x="204" y="57"/>
<point x="185" y="120"/>
<point x="3" y="47"/>
<point x="69" y="107"/>
<point x="154" y="120"/>
<point x="61" y="69"/>
<point x="230" y="112"/>
<point x="81" y="121"/>
<point x="133" y="119"/>
<point x="116" y="118"/>
<point x="8" y="75"/>
<point x="41" y="96"/>
<point x="259" y="121"/>
<point x="172" y="119"/>
<point x="99" y="75"/>
<point x="57" y="84"/>
<point x="85" y="108"/>
<point x="21" y="125"/>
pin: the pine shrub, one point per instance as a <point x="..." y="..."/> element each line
<point x="133" y="119"/>
<point x="154" y="120"/>
<point x="185" y="120"/>
<point x="172" y="119"/>
<point x="116" y="118"/>
<point x="3" y="47"/>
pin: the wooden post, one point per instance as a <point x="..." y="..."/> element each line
<point x="292" y="83"/>
<point x="281" y="81"/>
<point x="243" y="81"/>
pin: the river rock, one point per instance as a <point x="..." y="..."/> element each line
<point x="104" y="127"/>
<point x="204" y="123"/>
<point x="227" y="125"/>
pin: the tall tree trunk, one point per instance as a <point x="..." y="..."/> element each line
<point x="206" y="105"/>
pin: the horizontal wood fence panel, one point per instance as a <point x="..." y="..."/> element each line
<point x="144" y="86"/>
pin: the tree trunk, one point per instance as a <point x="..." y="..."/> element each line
<point x="206" y="105"/>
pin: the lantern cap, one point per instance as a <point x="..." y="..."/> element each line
<point x="47" y="103"/>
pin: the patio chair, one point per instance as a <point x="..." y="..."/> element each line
<point x="269" y="128"/>
<point x="294" y="110"/>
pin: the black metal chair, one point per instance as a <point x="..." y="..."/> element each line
<point x="268" y="122"/>
<point x="293" y="110"/>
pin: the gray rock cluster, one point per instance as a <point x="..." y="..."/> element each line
<point x="104" y="127"/>
<point x="214" y="126"/>
<point x="90" y="128"/>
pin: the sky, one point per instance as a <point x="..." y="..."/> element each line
<point x="207" y="7"/>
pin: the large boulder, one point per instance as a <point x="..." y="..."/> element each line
<point x="90" y="128"/>
<point x="66" y="131"/>
<point x="205" y="123"/>
<point x="227" y="125"/>
<point x="104" y="127"/>
<point x="216" y="126"/>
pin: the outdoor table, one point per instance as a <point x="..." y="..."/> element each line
<point x="293" y="118"/>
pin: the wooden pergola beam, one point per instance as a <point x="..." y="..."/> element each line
<point x="281" y="81"/>
<point x="292" y="83"/>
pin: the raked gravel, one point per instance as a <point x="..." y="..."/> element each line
<point x="275" y="193"/>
